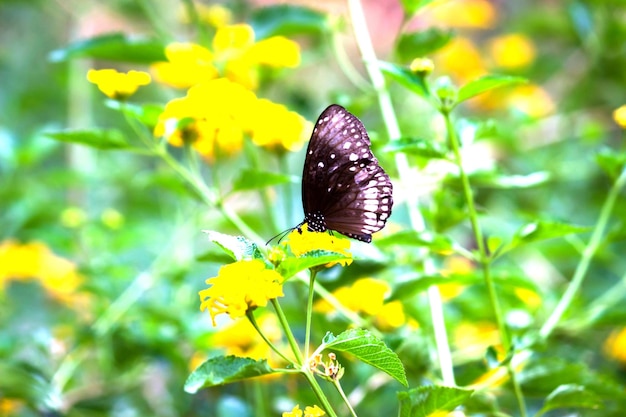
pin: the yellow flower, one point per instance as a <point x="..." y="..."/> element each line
<point x="454" y="265"/>
<point x="277" y="128"/>
<point x="472" y="339"/>
<point x="619" y="116"/>
<point x="314" y="411"/>
<point x="240" y="286"/>
<point x="615" y="345"/>
<point x="461" y="59"/>
<point x="422" y="66"/>
<point x="212" y="117"/>
<point x="529" y="297"/>
<point x="512" y="51"/>
<point x="118" y="85"/>
<point x="36" y="261"/>
<point x="234" y="55"/>
<point x="301" y="241"/>
<point x="391" y="316"/>
<point x="531" y="100"/>
<point x="479" y="14"/>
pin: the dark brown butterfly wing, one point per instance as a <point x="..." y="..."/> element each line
<point x="343" y="187"/>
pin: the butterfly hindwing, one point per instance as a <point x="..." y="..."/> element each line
<point x="343" y="187"/>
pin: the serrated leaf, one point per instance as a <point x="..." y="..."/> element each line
<point x="418" y="44"/>
<point x="571" y="396"/>
<point x="417" y="146"/>
<point x="292" y="265"/>
<point x="148" y="114"/>
<point x="369" y="349"/>
<point x="96" y="138"/>
<point x="114" y="47"/>
<point x="405" y="77"/>
<point x="225" y="370"/>
<point x="486" y="83"/>
<point x="286" y="20"/>
<point x="251" y="179"/>
<point x="237" y="247"/>
<point x="424" y="401"/>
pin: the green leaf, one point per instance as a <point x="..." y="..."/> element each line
<point x="501" y="181"/>
<point x="286" y="20"/>
<point x="571" y="396"/>
<point x="251" y="179"/>
<point x="24" y="381"/>
<point x="405" y="77"/>
<point x="611" y="161"/>
<point x="412" y="6"/>
<point x="114" y="47"/>
<point x="237" y="247"/>
<point x="294" y="264"/>
<point x="419" y="44"/>
<point x="225" y="370"/>
<point x="486" y="83"/>
<point x="423" y="401"/>
<point x="96" y="138"/>
<point x="435" y="242"/>
<point x="369" y="349"/>
<point x="416" y="146"/>
<point x="542" y="230"/>
<point x="148" y="114"/>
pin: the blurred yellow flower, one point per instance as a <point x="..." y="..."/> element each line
<point x="240" y="286"/>
<point x="619" y="116"/>
<point x="529" y="297"/>
<point x="512" y="51"/>
<point x="531" y="100"/>
<point x="461" y="59"/>
<point x="187" y="64"/>
<point x="478" y="14"/>
<point x="241" y="339"/>
<point x="301" y="241"/>
<point x="615" y="345"/>
<point x="214" y="15"/>
<point x="390" y="316"/>
<point x="212" y="117"/>
<point x="112" y="218"/>
<point x="36" y="261"/>
<point x="118" y="85"/>
<point x="234" y="55"/>
<point x="73" y="217"/>
<point x="454" y="265"/>
<point x="314" y="411"/>
<point x="474" y="338"/>
<point x="277" y="128"/>
<point x="422" y="66"/>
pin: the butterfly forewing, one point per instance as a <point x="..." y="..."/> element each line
<point x="343" y="187"/>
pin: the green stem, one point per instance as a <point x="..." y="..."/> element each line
<point x="343" y="395"/>
<point x="364" y="42"/>
<point x="254" y="323"/>
<point x="309" y="312"/>
<point x="287" y="329"/>
<point x="588" y="253"/>
<point x="287" y="190"/>
<point x="484" y="259"/>
<point x="317" y="390"/>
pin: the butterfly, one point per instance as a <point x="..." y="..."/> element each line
<point x="344" y="189"/>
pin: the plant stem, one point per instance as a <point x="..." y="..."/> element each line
<point x="290" y="338"/>
<point x="287" y="191"/>
<point x="484" y="258"/>
<point x="309" y="312"/>
<point x="317" y="390"/>
<point x="364" y="42"/>
<point x="588" y="253"/>
<point x="343" y="395"/>
<point x="254" y="323"/>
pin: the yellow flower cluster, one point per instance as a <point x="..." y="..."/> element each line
<point x="36" y="261"/>
<point x="301" y="241"/>
<point x="619" y="116"/>
<point x="234" y="55"/>
<point x="118" y="85"/>
<point x="240" y="286"/>
<point x="367" y="296"/>
<point x="214" y="117"/>
<point x="314" y="411"/>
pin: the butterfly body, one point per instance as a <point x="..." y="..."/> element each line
<point x="343" y="187"/>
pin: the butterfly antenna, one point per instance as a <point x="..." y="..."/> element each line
<point x="281" y="234"/>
